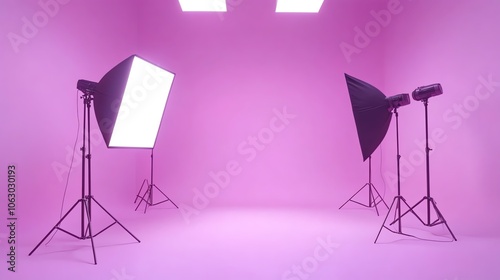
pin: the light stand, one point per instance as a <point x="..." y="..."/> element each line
<point x="430" y="201"/>
<point x="372" y="199"/>
<point x="396" y="202"/>
<point x="86" y="199"/>
<point x="148" y="194"/>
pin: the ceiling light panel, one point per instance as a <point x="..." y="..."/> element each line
<point x="298" y="6"/>
<point x="203" y="5"/>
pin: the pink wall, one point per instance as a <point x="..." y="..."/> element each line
<point x="232" y="71"/>
<point x="62" y="42"/>
<point x="457" y="46"/>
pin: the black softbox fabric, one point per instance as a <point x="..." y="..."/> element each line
<point x="371" y="114"/>
<point x="111" y="88"/>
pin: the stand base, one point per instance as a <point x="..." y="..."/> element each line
<point x="372" y="199"/>
<point x="396" y="203"/>
<point x="147" y="197"/>
<point x="87" y="233"/>
<point x="439" y="220"/>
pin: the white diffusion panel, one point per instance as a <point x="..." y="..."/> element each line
<point x="141" y="109"/>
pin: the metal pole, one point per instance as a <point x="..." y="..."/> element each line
<point x="399" y="176"/>
<point x="88" y="159"/>
<point x="152" y="184"/>
<point x="82" y="233"/>
<point x="427" y="151"/>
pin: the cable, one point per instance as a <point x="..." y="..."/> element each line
<point x="410" y="235"/>
<point x="70" y="166"/>
<point x="419" y="238"/>
<point x="380" y="166"/>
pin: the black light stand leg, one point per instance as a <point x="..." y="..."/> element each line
<point x="396" y="203"/>
<point x="147" y="197"/>
<point x="86" y="200"/>
<point x="428" y="199"/>
<point x="399" y="198"/>
<point x="372" y="199"/>
<point x="116" y="221"/>
<point x="57" y="226"/>
<point x="145" y="182"/>
<point x="386" y="216"/>
<point x="142" y="198"/>
<point x="89" y="227"/>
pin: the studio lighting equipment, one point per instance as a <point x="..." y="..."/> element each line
<point x="372" y="117"/>
<point x="149" y="187"/>
<point x="394" y="102"/>
<point x="130" y="115"/>
<point x="426" y="92"/>
<point x="398" y="100"/>
<point x="423" y="94"/>
<point x="129" y="102"/>
<point x="372" y="114"/>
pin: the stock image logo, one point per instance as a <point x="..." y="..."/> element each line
<point x="31" y="25"/>
<point x="249" y="150"/>
<point x="310" y="264"/>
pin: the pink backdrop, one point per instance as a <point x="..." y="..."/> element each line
<point x="236" y="74"/>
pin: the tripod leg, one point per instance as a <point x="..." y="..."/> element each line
<point x="137" y="207"/>
<point x="140" y="190"/>
<point x="56" y="226"/>
<point x="372" y="199"/>
<point x="397" y="213"/>
<point x="382" y="199"/>
<point x="410" y="209"/>
<point x="146" y="194"/>
<point x="114" y="218"/>
<point x="441" y="218"/>
<point x="168" y="198"/>
<point x="89" y="228"/>
<point x="147" y="201"/>
<point x="386" y="216"/>
<point x="350" y="199"/>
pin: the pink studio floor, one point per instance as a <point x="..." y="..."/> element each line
<point x="258" y="243"/>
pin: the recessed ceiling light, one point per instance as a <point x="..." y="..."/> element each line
<point x="298" y="6"/>
<point x="203" y="5"/>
